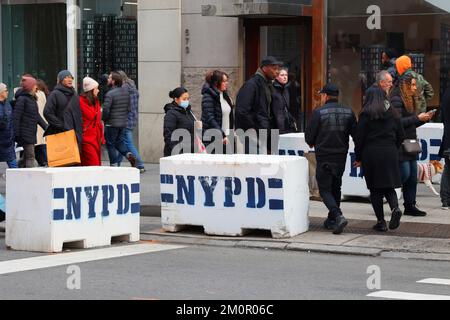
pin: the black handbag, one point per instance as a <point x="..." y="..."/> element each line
<point x="412" y="147"/>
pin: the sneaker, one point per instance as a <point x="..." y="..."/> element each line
<point x="132" y="159"/>
<point x="395" y="219"/>
<point x="380" y="226"/>
<point x="412" y="210"/>
<point x="445" y="208"/>
<point x="141" y="170"/>
<point x="341" y="223"/>
<point x="329" y="224"/>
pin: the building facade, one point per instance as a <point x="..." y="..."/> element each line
<point x="164" y="43"/>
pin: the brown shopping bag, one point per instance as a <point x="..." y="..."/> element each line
<point x="62" y="149"/>
<point x="313" y="186"/>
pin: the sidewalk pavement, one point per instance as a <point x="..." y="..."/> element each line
<point x="417" y="238"/>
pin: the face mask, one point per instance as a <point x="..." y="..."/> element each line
<point x="184" y="104"/>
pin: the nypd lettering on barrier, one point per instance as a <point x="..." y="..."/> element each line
<point x="256" y="195"/>
<point x="114" y="199"/>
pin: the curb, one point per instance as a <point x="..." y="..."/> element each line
<point x="295" y="247"/>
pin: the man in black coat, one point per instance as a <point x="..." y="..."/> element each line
<point x="444" y="152"/>
<point x="115" y="111"/>
<point x="58" y="101"/>
<point x="328" y="132"/>
<point x="254" y="99"/>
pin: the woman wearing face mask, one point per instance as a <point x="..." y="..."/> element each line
<point x="178" y="116"/>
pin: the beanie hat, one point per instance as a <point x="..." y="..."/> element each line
<point x="403" y="64"/>
<point x="28" y="83"/>
<point x="64" y="74"/>
<point x="89" y="84"/>
<point x="3" y="87"/>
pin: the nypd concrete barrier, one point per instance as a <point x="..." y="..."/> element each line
<point x="82" y="206"/>
<point x="228" y="194"/>
<point x="353" y="184"/>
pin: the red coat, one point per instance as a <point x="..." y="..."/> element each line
<point x="92" y="133"/>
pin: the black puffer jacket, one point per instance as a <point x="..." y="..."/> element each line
<point x="26" y="118"/>
<point x="177" y="118"/>
<point x="329" y="132"/>
<point x="252" y="106"/>
<point x="116" y="107"/>
<point x="282" y="119"/>
<point x="212" y="109"/>
<point x="410" y="122"/>
<point x="55" y="107"/>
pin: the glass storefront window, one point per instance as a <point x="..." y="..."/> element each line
<point x="107" y="39"/>
<point x="34" y="41"/>
<point x="417" y="27"/>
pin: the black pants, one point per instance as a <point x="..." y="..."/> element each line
<point x="376" y="197"/>
<point x="40" y="152"/>
<point x="329" y="178"/>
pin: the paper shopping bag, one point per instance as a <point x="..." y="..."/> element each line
<point x="62" y="150"/>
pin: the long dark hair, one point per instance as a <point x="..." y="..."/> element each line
<point x="89" y="96"/>
<point x="375" y="103"/>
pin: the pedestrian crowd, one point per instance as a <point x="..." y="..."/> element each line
<point x="384" y="132"/>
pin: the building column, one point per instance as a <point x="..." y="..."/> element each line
<point x="73" y="24"/>
<point x="1" y="48"/>
<point x="319" y="48"/>
<point x="159" y="63"/>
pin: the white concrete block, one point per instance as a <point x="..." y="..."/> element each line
<point x="49" y="207"/>
<point x="227" y="194"/>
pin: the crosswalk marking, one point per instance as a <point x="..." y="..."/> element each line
<point x="51" y="261"/>
<point x="444" y="282"/>
<point x="398" y="295"/>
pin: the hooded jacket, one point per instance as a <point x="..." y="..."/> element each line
<point x="177" y="118"/>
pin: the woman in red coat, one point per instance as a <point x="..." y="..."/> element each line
<point x="92" y="124"/>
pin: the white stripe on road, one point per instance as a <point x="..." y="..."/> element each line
<point x="406" y="296"/>
<point x="62" y="259"/>
<point x="443" y="282"/>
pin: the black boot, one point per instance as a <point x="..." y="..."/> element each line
<point x="380" y="226"/>
<point x="395" y="219"/>
<point x="341" y="223"/>
<point x="329" y="224"/>
<point x="2" y="216"/>
<point x="412" y="210"/>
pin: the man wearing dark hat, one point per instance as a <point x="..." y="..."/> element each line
<point x="254" y="99"/>
<point x="58" y="101"/>
<point x="328" y="132"/>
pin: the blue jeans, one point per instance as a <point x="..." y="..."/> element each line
<point x="12" y="164"/>
<point x="115" y="142"/>
<point x="408" y="171"/>
<point x="128" y="138"/>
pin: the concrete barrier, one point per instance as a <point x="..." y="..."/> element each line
<point x="353" y="183"/>
<point x="86" y="207"/>
<point x="229" y="194"/>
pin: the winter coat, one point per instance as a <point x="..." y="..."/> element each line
<point x="177" y="118"/>
<point x="329" y="132"/>
<point x="55" y="107"/>
<point x="7" y="150"/>
<point x="445" y="115"/>
<point x="376" y="146"/>
<point x="410" y="122"/>
<point x="41" y="101"/>
<point x="73" y="120"/>
<point x="116" y="107"/>
<point x="212" y="109"/>
<point x="26" y="118"/>
<point x="282" y="118"/>
<point x="133" y="115"/>
<point x="253" y="104"/>
<point x="92" y="133"/>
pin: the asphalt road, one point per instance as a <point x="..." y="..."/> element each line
<point x="204" y="273"/>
